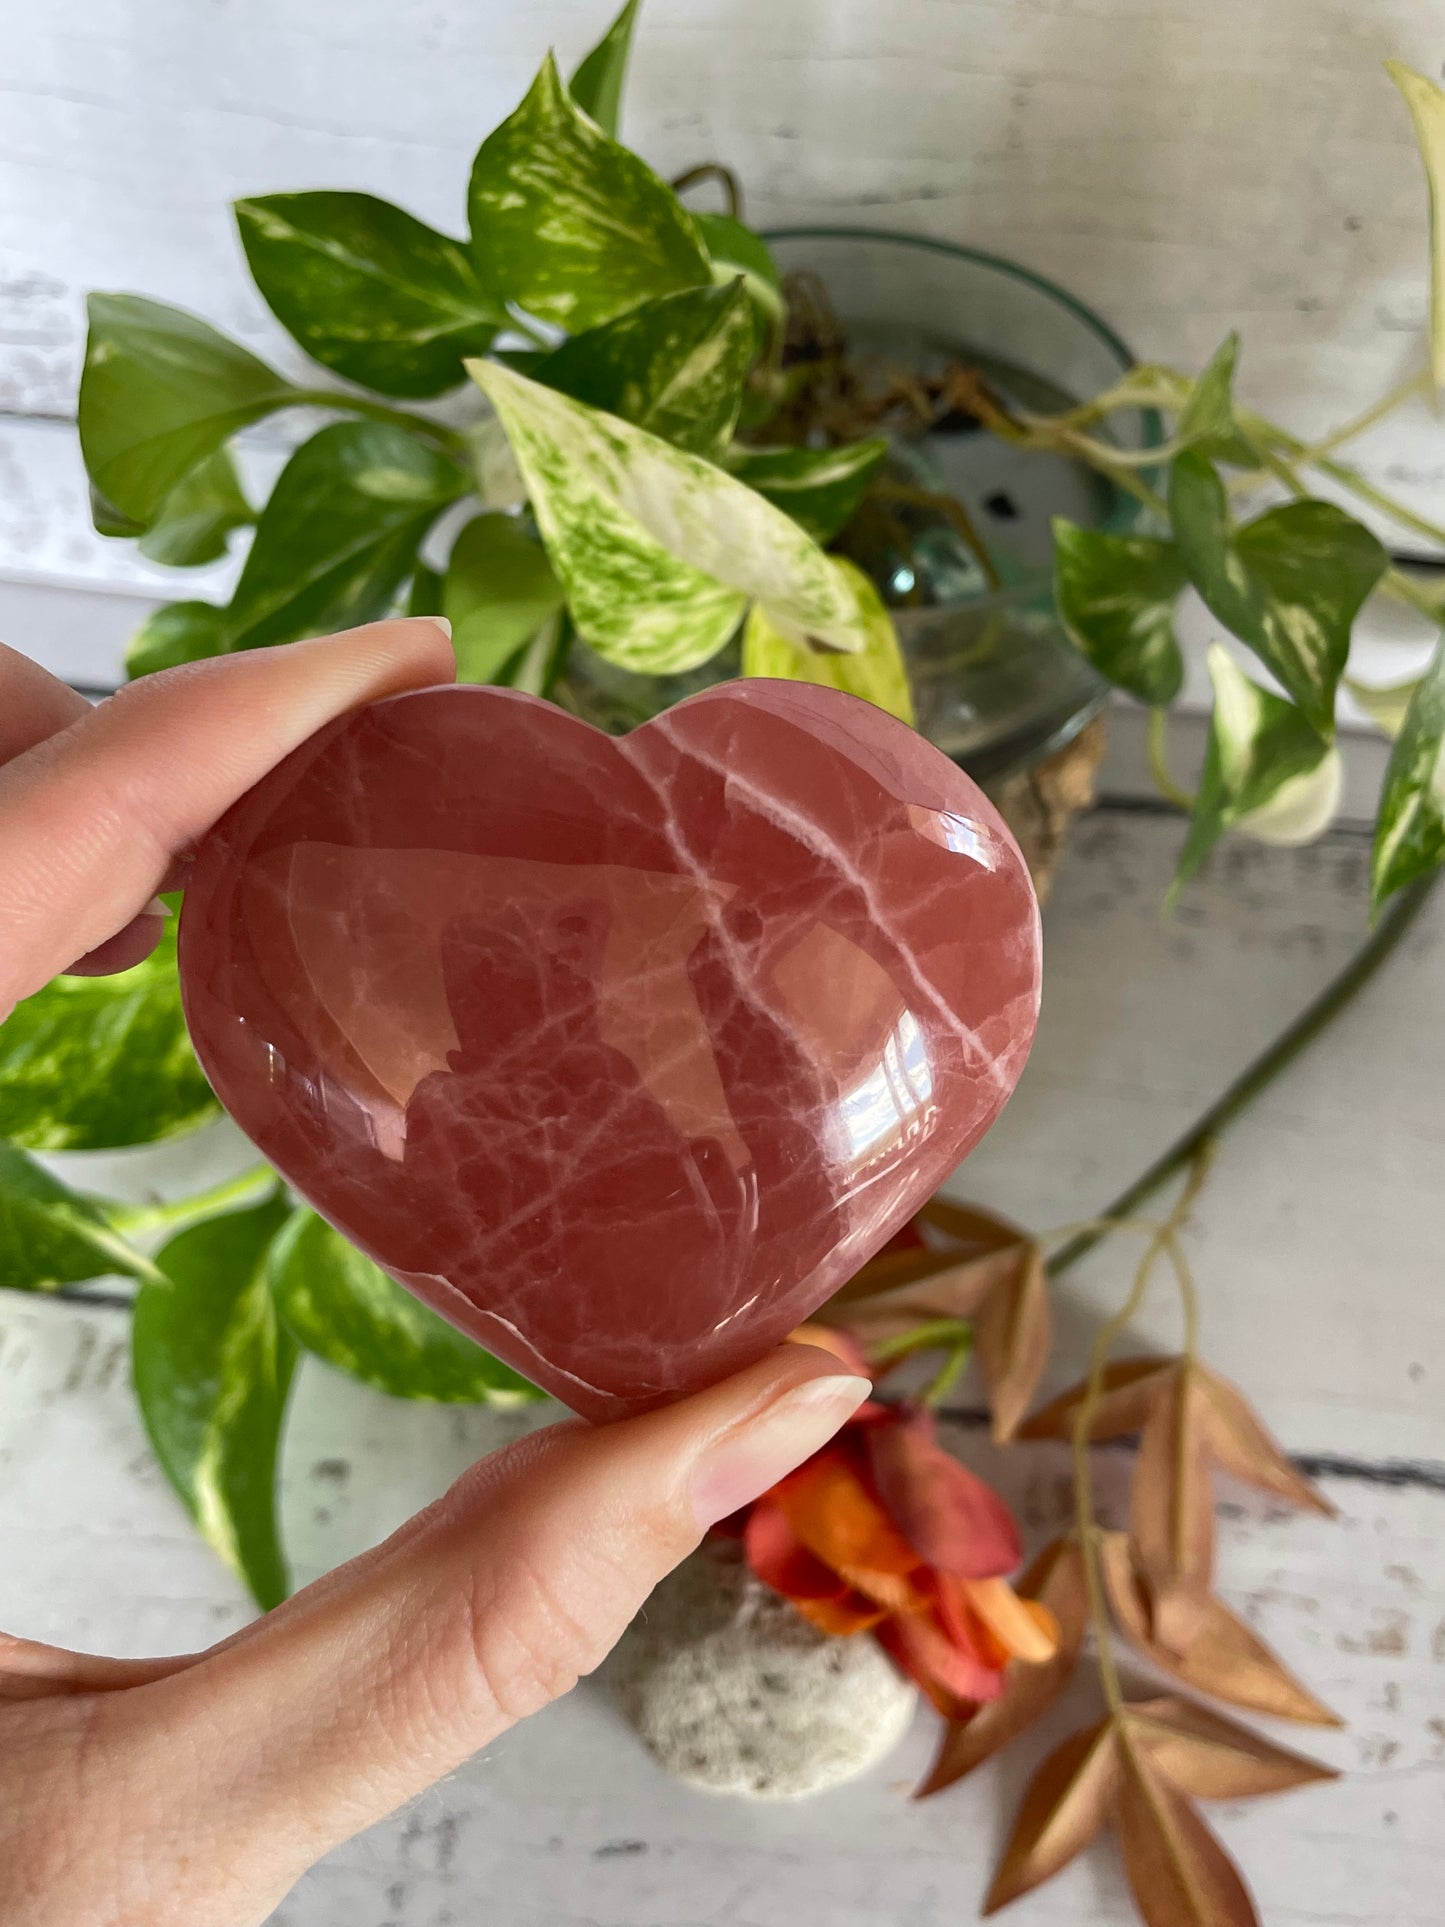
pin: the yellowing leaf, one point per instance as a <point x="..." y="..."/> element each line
<point x="876" y="672"/>
<point x="1426" y="102"/>
<point x="1223" y="1657"/>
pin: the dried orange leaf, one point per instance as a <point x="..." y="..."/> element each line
<point x="1130" y="1387"/>
<point x="916" y="1288"/>
<point x="1012" y="1332"/>
<point x="1225" y="1658"/>
<point x="1212" y="1758"/>
<point x="1172" y="1513"/>
<point x="968" y="1224"/>
<point x="1056" y="1581"/>
<point x="1067" y="1803"/>
<point x="1242" y="1446"/>
<point x="1179" y="1874"/>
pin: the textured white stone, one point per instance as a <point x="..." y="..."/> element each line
<point x="733" y="1690"/>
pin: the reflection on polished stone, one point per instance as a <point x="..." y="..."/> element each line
<point x="622" y="1054"/>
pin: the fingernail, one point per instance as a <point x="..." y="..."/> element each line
<point x="157" y="907"/>
<point x="443" y="623"/>
<point x="757" y="1453"/>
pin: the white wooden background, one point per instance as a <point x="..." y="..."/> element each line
<point x="1186" y="166"/>
<point x="1318" y="1250"/>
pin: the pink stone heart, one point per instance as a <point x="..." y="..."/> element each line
<point x="621" y="1054"/>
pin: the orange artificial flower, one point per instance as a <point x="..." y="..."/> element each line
<point x="883" y="1531"/>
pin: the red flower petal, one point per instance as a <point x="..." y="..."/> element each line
<point x="950" y="1517"/>
<point x="954" y="1680"/>
<point x="782" y="1561"/>
<point x="834" y="1512"/>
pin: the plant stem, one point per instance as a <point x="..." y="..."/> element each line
<point x="713" y="171"/>
<point x="1258" y="1076"/>
<point x="1159" y="760"/>
<point x="448" y="438"/>
<point x="145" y="1220"/>
<point x="1104" y="1338"/>
<point x="1416" y="384"/>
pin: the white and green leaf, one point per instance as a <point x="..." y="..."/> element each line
<point x="1426" y="101"/>
<point x="498" y="590"/>
<point x="877" y="671"/>
<point x="91" y="1063"/>
<point x="569" y="224"/>
<point x="1289" y="584"/>
<point x="820" y="488"/>
<point x="52" y="1236"/>
<point x="661" y="553"/>
<point x="1266" y="771"/>
<point x="344" y="1309"/>
<point x="674" y="366"/>
<point x="735" y="249"/>
<point x="1386" y="704"/>
<point x="212" y="1365"/>
<point x="1410" y="826"/>
<point x="161" y="391"/>
<point x="1116" y="597"/>
<point x="1207" y="421"/>
<point x="368" y="290"/>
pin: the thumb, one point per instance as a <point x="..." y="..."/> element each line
<point x="368" y="1686"/>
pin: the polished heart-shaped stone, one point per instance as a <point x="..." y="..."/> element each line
<point x="622" y="1054"/>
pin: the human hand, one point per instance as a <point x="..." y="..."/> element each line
<point x="193" y="1791"/>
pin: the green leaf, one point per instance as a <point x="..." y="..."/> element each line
<point x="1426" y="102"/>
<point x="213" y="1367"/>
<point x="368" y="290"/>
<point x="1386" y="704"/>
<point x="1116" y="597"/>
<point x="107" y="518"/>
<point x="659" y="552"/>
<point x="89" y="1063"/>
<point x="877" y="672"/>
<point x="1266" y="770"/>
<point x="820" y="488"/>
<point x="345" y="1310"/>
<point x="498" y="592"/>
<point x="194" y="520"/>
<point x="1289" y="584"/>
<point x="569" y="224"/>
<point x="674" y="366"/>
<point x="176" y="632"/>
<point x="340" y="533"/>
<point x="736" y="250"/>
<point x="160" y="391"/>
<point x="1410" y="827"/>
<point x="50" y="1235"/>
<point x="597" y="84"/>
<point x="1206" y="421"/>
<point x="424" y="597"/>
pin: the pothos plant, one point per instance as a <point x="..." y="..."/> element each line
<point x="633" y="489"/>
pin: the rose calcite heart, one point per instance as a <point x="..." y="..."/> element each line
<point x="621" y="1054"/>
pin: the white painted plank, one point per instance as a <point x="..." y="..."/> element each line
<point x="566" y="1823"/>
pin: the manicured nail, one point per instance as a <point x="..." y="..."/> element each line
<point x="444" y="624"/>
<point x="157" y="907"/>
<point x="760" y="1451"/>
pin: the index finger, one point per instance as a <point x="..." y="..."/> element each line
<point x="91" y="818"/>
